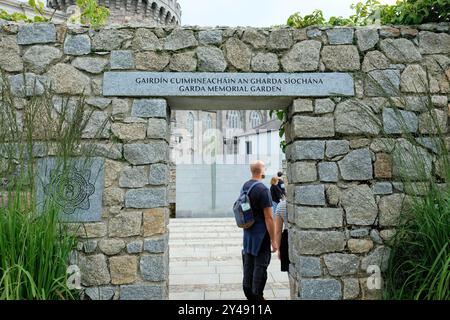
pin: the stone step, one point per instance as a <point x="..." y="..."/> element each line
<point x="207" y="241"/>
<point x="226" y="294"/>
<point x="212" y="224"/>
<point x="200" y="229"/>
<point x="215" y="279"/>
<point x="205" y="235"/>
<point x="235" y="260"/>
<point x="223" y="287"/>
<point x="211" y="244"/>
<point x="213" y="249"/>
<point x="221" y="267"/>
<point x="198" y="221"/>
<point x="206" y="262"/>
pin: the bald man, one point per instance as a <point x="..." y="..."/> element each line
<point x="258" y="238"/>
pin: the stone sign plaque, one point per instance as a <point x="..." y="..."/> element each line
<point x="166" y="84"/>
<point x="78" y="193"/>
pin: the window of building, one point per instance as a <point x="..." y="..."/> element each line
<point x="208" y="122"/>
<point x="235" y="145"/>
<point x="248" y="147"/>
<point x="190" y="123"/>
<point x="255" y="118"/>
<point x="234" y="119"/>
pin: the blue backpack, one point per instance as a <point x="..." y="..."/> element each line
<point x="242" y="210"/>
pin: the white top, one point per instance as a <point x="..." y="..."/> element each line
<point x="282" y="212"/>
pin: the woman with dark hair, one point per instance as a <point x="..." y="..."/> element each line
<point x="281" y="183"/>
<point x="275" y="192"/>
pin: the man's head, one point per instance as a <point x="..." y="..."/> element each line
<point x="258" y="169"/>
<point x="279" y="174"/>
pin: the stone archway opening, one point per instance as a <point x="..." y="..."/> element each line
<point x="205" y="244"/>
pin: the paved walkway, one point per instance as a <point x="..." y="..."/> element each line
<point x="206" y="263"/>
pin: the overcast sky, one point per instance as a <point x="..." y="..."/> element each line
<point x="257" y="13"/>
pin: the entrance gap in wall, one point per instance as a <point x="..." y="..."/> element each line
<point x="212" y="144"/>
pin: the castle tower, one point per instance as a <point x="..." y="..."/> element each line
<point x="151" y="12"/>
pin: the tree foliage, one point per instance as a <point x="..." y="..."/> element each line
<point x="92" y="13"/>
<point x="404" y="12"/>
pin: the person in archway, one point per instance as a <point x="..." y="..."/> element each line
<point x="281" y="183"/>
<point x="281" y="234"/>
<point x="259" y="238"/>
<point x="275" y="192"/>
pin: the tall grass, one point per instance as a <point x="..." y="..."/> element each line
<point x="35" y="246"/>
<point x="419" y="264"/>
<point x="419" y="261"/>
<point x="34" y="252"/>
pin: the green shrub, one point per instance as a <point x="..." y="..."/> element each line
<point x="38" y="8"/>
<point x="16" y="16"/>
<point x="404" y="12"/>
<point x="415" y="12"/>
<point x="90" y="13"/>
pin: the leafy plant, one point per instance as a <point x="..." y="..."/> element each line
<point x="415" y="12"/>
<point x="365" y="12"/>
<point x="16" y="16"/>
<point x="403" y="12"/>
<point x="38" y="8"/>
<point x="281" y="115"/>
<point x="315" y="18"/>
<point x="92" y="13"/>
<point x="35" y="245"/>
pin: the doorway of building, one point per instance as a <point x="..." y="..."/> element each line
<point x="210" y="156"/>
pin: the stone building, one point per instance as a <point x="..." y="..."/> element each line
<point x="192" y="128"/>
<point x="156" y="12"/>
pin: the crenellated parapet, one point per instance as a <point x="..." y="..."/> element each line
<point x="157" y="12"/>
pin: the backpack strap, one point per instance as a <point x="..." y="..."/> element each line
<point x="251" y="187"/>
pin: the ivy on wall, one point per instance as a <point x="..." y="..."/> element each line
<point x="281" y="115"/>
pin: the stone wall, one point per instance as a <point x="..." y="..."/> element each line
<point x="343" y="190"/>
<point x="345" y="156"/>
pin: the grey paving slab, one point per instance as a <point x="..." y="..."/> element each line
<point x="206" y="262"/>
